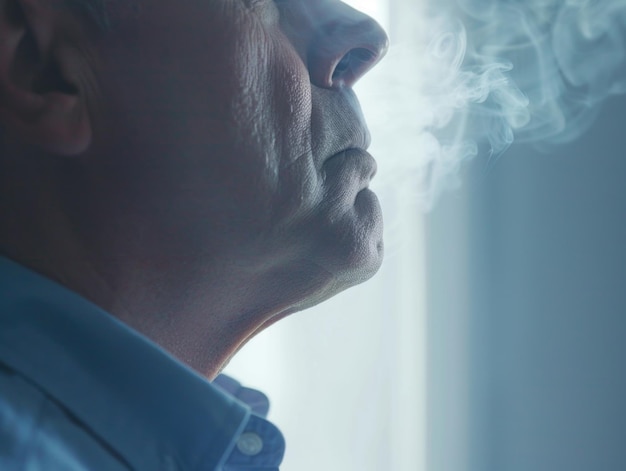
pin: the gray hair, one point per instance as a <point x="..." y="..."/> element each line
<point x="94" y="11"/>
<point x="105" y="15"/>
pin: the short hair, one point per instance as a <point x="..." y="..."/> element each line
<point x="94" y="11"/>
<point x="105" y="15"/>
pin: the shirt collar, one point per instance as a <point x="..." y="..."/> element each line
<point x="150" y="408"/>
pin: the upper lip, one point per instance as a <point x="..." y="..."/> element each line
<point x="341" y="123"/>
<point x="358" y="137"/>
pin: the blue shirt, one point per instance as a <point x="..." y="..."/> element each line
<point x="79" y="390"/>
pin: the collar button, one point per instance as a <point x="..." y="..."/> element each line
<point x="250" y="444"/>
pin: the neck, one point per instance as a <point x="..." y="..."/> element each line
<point x="200" y="306"/>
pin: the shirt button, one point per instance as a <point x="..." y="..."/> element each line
<point x="250" y="444"/>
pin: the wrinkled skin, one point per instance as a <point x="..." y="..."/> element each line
<point x="188" y="163"/>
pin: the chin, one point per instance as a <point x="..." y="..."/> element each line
<point x="354" y="249"/>
<point x="345" y="274"/>
<point x="337" y="247"/>
<point x="364" y="267"/>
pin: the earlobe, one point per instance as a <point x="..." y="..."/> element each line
<point x="41" y="103"/>
<point x="54" y="122"/>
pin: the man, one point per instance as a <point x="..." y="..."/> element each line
<point x="175" y="176"/>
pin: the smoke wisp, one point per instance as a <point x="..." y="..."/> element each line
<point x="470" y="78"/>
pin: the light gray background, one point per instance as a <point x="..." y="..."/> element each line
<point x="527" y="314"/>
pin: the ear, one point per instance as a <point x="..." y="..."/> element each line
<point x="42" y="100"/>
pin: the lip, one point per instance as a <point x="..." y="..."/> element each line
<point x="368" y="159"/>
<point x="367" y="166"/>
<point x="357" y="140"/>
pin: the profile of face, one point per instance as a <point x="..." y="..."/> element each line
<point x="205" y="146"/>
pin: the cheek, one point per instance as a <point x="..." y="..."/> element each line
<point x="299" y="181"/>
<point x="272" y="109"/>
<point x="248" y="93"/>
<point x="292" y="97"/>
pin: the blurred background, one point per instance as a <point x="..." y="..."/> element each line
<point x="494" y="336"/>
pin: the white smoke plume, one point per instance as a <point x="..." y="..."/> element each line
<point x="472" y="77"/>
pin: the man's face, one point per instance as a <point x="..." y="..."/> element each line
<point x="224" y="133"/>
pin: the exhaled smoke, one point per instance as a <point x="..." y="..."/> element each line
<point x="471" y="79"/>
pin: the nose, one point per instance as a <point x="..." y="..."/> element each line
<point x="346" y="44"/>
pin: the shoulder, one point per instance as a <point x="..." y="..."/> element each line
<point x="38" y="433"/>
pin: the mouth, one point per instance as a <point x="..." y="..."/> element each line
<point x="368" y="160"/>
<point x="357" y="161"/>
<point x="345" y="132"/>
<point x="356" y="139"/>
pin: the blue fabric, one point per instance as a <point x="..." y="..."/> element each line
<point x="80" y="390"/>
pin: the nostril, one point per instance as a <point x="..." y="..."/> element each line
<point x="344" y="48"/>
<point x="353" y="63"/>
<point x="362" y="55"/>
